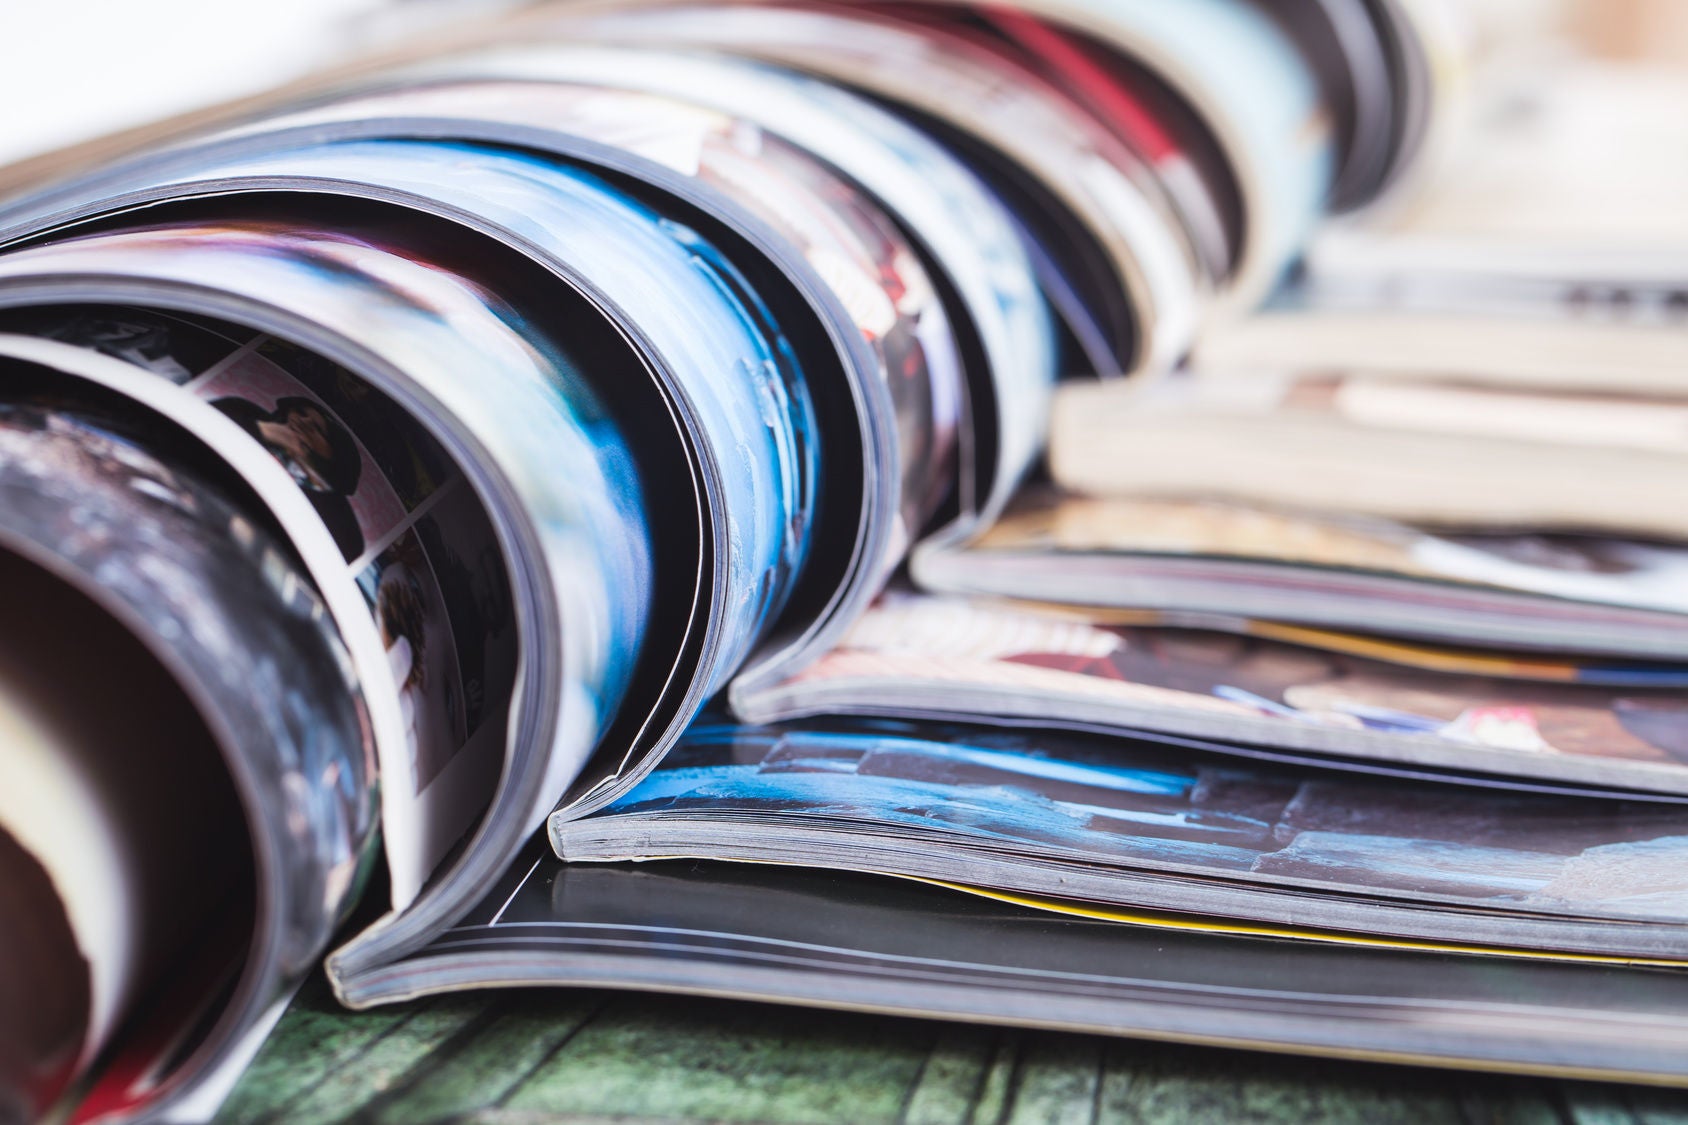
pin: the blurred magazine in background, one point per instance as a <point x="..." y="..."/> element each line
<point x="1447" y="441"/>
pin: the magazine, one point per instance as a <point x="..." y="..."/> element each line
<point x="450" y="431"/>
<point x="131" y="571"/>
<point x="1132" y="823"/>
<point x="955" y="657"/>
<point x="836" y="940"/>
<point x="1503" y="599"/>
<point x="1391" y="445"/>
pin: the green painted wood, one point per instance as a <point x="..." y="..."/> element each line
<point x="1604" y="1105"/>
<point x="952" y="1077"/>
<point x="490" y="1064"/>
<point x="389" y="1064"/>
<point x="1057" y="1081"/>
<point x="1188" y="1087"/>
<point x="378" y="1052"/>
<point x="1651" y="1107"/>
<point x="666" y="1057"/>
<point x="1518" y="1101"/>
<point x="315" y="1039"/>
<point x="1598" y="1107"/>
<point x="996" y="1091"/>
<point x="563" y="1057"/>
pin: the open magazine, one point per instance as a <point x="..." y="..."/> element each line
<point x="441" y="438"/>
<point x="855" y="942"/>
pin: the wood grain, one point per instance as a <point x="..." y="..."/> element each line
<point x="575" y="1057"/>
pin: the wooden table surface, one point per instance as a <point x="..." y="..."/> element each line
<point x="526" y="1057"/>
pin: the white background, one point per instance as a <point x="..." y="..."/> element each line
<point x="73" y="69"/>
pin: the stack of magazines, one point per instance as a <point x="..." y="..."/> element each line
<point x="573" y="493"/>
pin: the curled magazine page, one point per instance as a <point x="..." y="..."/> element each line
<point x="452" y="660"/>
<point x="966" y="234"/>
<point x="230" y="785"/>
<point x="791" y="399"/>
<point x="405" y="522"/>
<point x="302" y="281"/>
<point x="1012" y="118"/>
<point x="855" y="249"/>
<point x="1151" y="121"/>
<point x="1224" y="57"/>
